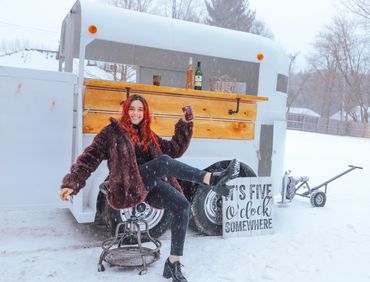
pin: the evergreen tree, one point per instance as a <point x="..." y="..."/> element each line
<point x="232" y="14"/>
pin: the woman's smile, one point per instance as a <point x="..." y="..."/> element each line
<point x="136" y="112"/>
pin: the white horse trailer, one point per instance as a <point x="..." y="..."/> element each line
<point x="160" y="45"/>
<point x="249" y="125"/>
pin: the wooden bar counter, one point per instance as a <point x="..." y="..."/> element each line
<point x="217" y="115"/>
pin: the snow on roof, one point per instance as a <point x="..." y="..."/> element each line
<point x="303" y="111"/>
<point x="357" y="110"/>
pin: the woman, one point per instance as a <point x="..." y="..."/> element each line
<point x="141" y="167"/>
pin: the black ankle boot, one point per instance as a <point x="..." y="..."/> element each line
<point x="173" y="270"/>
<point x="232" y="171"/>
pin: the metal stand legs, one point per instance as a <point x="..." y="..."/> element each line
<point x="126" y="249"/>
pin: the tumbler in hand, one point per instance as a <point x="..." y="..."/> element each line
<point x="188" y="113"/>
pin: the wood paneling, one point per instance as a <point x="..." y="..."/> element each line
<point x="121" y="86"/>
<point x="93" y="122"/>
<point x="167" y="104"/>
<point x="211" y="109"/>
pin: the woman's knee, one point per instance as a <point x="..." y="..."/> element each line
<point x="164" y="159"/>
<point x="180" y="207"/>
<point x="184" y="206"/>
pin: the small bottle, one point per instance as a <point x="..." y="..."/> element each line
<point x="198" y="76"/>
<point x="189" y="74"/>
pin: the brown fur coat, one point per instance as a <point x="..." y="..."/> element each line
<point x="126" y="188"/>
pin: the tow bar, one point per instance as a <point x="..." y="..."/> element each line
<point x="292" y="186"/>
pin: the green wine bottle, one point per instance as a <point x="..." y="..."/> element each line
<point x="198" y="77"/>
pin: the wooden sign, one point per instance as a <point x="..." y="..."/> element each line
<point x="248" y="210"/>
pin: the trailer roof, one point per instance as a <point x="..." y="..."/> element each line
<point x="118" y="28"/>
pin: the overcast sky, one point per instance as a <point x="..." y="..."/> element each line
<point x="295" y="23"/>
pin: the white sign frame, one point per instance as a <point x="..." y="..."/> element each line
<point x="248" y="211"/>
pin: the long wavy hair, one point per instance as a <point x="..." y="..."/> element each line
<point x="148" y="135"/>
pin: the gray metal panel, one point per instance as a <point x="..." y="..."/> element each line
<point x="282" y="83"/>
<point x="168" y="77"/>
<point x="70" y="38"/>
<point x="156" y="61"/>
<point x="266" y="141"/>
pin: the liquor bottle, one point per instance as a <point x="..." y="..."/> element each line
<point x="189" y="74"/>
<point x="198" y="76"/>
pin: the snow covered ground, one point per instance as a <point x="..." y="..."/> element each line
<point x="309" y="244"/>
<point x="31" y="59"/>
<point x="44" y="60"/>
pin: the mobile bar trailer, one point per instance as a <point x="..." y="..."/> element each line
<point x="249" y="124"/>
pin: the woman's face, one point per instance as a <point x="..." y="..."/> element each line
<point x="136" y="112"/>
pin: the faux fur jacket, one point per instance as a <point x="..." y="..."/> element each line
<point x="126" y="188"/>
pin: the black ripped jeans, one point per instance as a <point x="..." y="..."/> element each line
<point x="166" y="196"/>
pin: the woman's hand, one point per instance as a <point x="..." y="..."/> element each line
<point x="188" y="114"/>
<point x="65" y="194"/>
<point x="184" y="119"/>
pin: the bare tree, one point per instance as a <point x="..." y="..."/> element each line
<point x="325" y="79"/>
<point x="358" y="7"/>
<point x="137" y="5"/>
<point x="297" y="82"/>
<point x="352" y="57"/>
<point x="344" y="51"/>
<point x="187" y="10"/>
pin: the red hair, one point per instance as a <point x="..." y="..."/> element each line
<point x="148" y="134"/>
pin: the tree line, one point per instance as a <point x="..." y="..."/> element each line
<point x="232" y="14"/>
<point x="338" y="76"/>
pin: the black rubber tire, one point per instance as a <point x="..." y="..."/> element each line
<point x="318" y="199"/>
<point x="113" y="217"/>
<point x="207" y="206"/>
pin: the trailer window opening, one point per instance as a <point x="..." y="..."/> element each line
<point x="171" y="65"/>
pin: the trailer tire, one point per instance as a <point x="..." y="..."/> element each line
<point x="318" y="199"/>
<point x="158" y="219"/>
<point x="207" y="205"/>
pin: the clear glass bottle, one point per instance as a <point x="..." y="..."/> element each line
<point x="189" y="75"/>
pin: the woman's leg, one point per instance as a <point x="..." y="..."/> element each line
<point x="168" y="197"/>
<point x="165" y="166"/>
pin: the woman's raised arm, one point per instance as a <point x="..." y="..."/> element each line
<point x="179" y="142"/>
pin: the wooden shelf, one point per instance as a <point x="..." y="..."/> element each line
<point x="115" y="85"/>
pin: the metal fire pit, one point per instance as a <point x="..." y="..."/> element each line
<point x="118" y="250"/>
